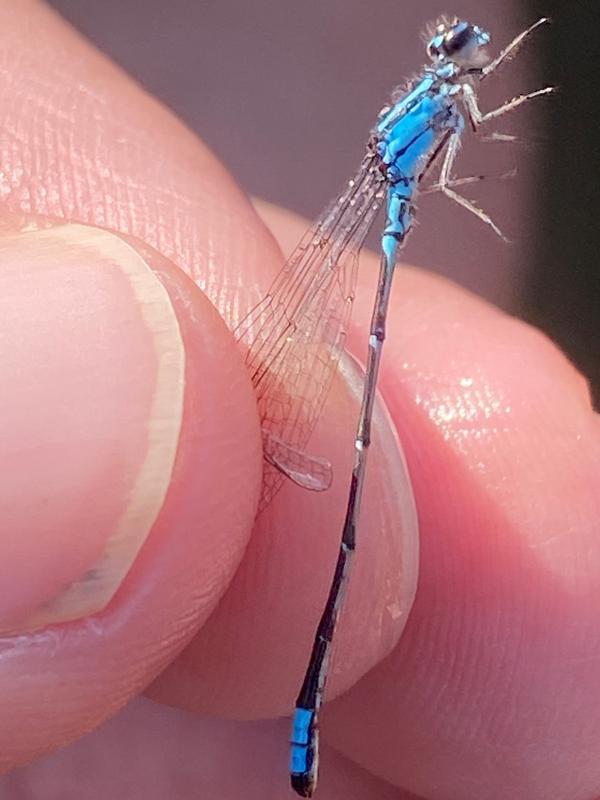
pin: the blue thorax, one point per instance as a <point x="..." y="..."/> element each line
<point x="410" y="130"/>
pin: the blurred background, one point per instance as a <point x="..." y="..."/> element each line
<point x="286" y="92"/>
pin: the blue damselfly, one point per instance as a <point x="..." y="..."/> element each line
<point x="295" y="336"/>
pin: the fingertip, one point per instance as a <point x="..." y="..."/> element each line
<point x="134" y="417"/>
<point x="503" y="449"/>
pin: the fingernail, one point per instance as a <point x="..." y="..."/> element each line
<point x="92" y="364"/>
<point x="397" y="512"/>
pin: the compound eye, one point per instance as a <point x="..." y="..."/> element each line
<point x="459" y="37"/>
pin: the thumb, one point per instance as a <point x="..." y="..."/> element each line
<point x="126" y="422"/>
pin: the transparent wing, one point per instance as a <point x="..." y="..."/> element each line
<point x="295" y="335"/>
<point x="309" y="472"/>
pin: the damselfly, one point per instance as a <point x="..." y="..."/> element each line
<point x="295" y="336"/>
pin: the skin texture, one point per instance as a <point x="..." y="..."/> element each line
<point x="490" y="689"/>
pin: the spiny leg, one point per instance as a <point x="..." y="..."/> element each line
<point x="511" y="49"/>
<point x="469" y="179"/>
<point x="445" y="184"/>
<point x="497" y="136"/>
<point x="477" y="118"/>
